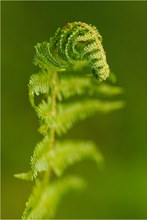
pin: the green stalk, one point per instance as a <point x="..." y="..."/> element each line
<point x="52" y="130"/>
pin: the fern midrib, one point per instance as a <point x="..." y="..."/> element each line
<point x="53" y="113"/>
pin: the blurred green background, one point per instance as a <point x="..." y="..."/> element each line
<point x="120" y="190"/>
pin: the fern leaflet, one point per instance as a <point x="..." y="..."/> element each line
<point x="45" y="199"/>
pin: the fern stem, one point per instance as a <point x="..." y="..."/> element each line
<point x="53" y="111"/>
<point x="52" y="130"/>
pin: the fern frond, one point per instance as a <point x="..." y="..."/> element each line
<point x="74" y="42"/>
<point x="69" y="86"/>
<point x="109" y="90"/>
<point x="43" y="110"/>
<point x="44" y="58"/>
<point x="24" y="176"/>
<point x="39" y="84"/>
<point x="45" y="199"/>
<point x="70" y="49"/>
<point x="69" y="152"/>
<point x="39" y="162"/>
<point x="78" y="85"/>
<point x="69" y="114"/>
<point x="65" y="154"/>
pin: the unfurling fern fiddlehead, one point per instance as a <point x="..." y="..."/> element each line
<point x="70" y="48"/>
<point x="76" y="41"/>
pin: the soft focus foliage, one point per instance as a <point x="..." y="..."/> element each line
<point x="120" y="190"/>
<point x="58" y="117"/>
<point x="45" y="199"/>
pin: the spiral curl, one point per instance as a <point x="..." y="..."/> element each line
<point x="74" y="42"/>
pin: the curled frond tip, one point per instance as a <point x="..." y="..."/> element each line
<point x="75" y="41"/>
